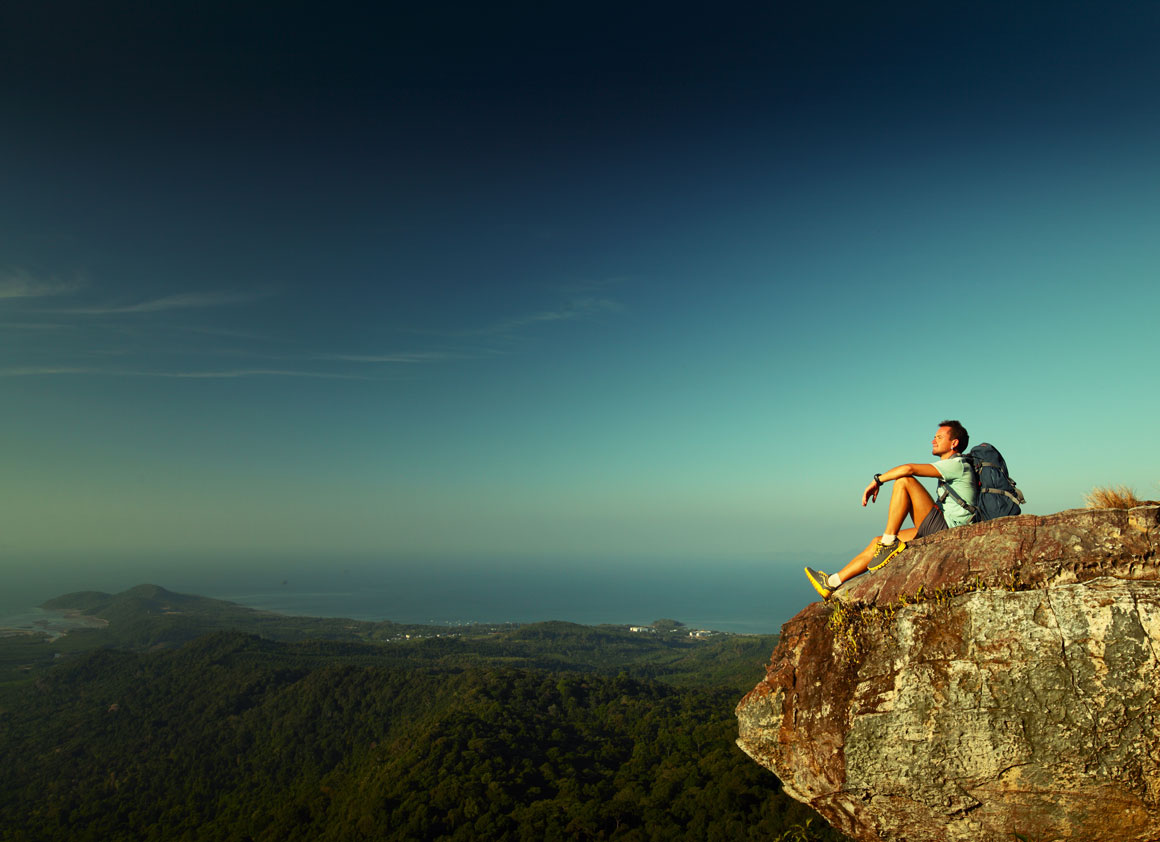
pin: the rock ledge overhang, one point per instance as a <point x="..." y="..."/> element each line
<point x="1029" y="704"/>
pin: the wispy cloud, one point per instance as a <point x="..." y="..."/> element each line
<point x="406" y="357"/>
<point x="149" y="348"/>
<point x="256" y="372"/>
<point x="396" y="357"/>
<point x="182" y="301"/>
<point x="34" y="326"/>
<point x="229" y="333"/>
<point x="228" y="374"/>
<point x="39" y="371"/>
<point x="575" y="310"/>
<point x="18" y="283"/>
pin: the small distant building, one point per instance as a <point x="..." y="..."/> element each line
<point x="648" y="629"/>
<point x="701" y="633"/>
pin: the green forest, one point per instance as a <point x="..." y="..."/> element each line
<point x="545" y="731"/>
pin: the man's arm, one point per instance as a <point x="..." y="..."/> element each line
<point x="913" y="469"/>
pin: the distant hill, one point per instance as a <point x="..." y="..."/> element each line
<point x="149" y="615"/>
<point x="85" y="601"/>
<point x="142" y="598"/>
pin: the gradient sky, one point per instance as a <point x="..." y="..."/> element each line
<point x="610" y="281"/>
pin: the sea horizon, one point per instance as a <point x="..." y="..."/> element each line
<point x="741" y="597"/>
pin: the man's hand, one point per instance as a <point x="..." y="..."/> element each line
<point x="870" y="495"/>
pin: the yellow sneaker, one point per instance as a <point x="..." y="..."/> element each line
<point x="820" y="581"/>
<point x="883" y="553"/>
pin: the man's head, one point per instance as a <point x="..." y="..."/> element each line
<point x="951" y="438"/>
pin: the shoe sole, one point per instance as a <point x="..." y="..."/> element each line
<point x="822" y="590"/>
<point x="899" y="546"/>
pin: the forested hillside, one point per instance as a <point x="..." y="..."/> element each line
<point x="551" y="731"/>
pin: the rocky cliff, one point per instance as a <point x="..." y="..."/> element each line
<point x="994" y="681"/>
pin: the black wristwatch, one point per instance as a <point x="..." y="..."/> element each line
<point x="878" y="479"/>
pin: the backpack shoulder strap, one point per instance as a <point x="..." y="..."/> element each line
<point x="945" y="490"/>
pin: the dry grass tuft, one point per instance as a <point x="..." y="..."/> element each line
<point x="1120" y="497"/>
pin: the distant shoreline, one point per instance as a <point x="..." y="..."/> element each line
<point x="481" y="602"/>
<point x="80" y="618"/>
<point x="51" y="623"/>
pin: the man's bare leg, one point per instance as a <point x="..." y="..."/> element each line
<point x="858" y="564"/>
<point x="908" y="497"/>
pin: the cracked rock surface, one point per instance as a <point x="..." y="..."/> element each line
<point x="1017" y="693"/>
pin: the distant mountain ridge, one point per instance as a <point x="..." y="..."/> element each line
<point x="142" y="598"/>
<point x="150" y="615"/>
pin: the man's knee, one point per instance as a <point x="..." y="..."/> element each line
<point x="912" y="488"/>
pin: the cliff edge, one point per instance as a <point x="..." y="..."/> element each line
<point x="996" y="679"/>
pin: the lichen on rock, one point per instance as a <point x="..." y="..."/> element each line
<point x="996" y="679"/>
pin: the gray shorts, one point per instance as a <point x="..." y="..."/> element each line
<point x="932" y="523"/>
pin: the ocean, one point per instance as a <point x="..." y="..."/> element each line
<point x="744" y="597"/>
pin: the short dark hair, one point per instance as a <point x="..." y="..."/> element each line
<point x="958" y="431"/>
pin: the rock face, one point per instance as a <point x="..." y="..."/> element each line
<point x="996" y="679"/>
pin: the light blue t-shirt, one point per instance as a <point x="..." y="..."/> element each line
<point x="959" y="476"/>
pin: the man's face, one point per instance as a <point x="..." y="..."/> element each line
<point x="942" y="442"/>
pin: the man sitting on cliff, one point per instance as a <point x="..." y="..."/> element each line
<point x="910" y="498"/>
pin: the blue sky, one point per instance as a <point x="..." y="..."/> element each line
<point x="614" y="283"/>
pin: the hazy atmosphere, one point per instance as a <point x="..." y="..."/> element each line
<point x="648" y="290"/>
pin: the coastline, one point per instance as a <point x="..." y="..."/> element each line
<point x="47" y="622"/>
